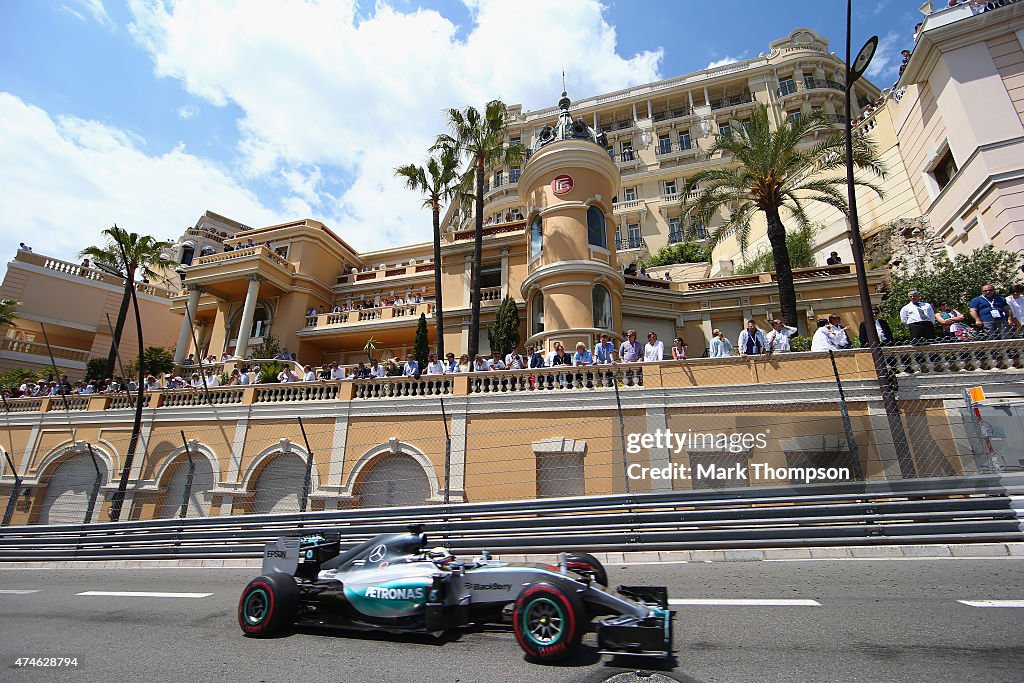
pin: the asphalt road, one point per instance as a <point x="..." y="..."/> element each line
<point x="872" y="621"/>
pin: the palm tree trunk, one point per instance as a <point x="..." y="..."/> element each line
<point x="438" y="304"/>
<point x="478" y="248"/>
<point x="122" y="315"/>
<point x="783" y="269"/>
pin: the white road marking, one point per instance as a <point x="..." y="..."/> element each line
<point x="142" y="594"/>
<point x="745" y="602"/>
<point x="17" y="592"/>
<point x="992" y="603"/>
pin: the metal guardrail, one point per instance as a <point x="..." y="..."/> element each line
<point x="943" y="510"/>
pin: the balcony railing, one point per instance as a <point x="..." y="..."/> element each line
<point x="954" y="360"/>
<point x="627" y="243"/>
<point x="667" y="148"/>
<point x="489" y="295"/>
<point x="259" y="252"/>
<point x="809" y="84"/>
<point x="515" y="225"/>
<point x="386" y="273"/>
<point x="85" y="273"/>
<point x="627" y="157"/>
<point x="669" y="114"/>
<point x="732" y="101"/>
<point x="37" y="349"/>
<point x="364" y="315"/>
<point x="628" y="205"/>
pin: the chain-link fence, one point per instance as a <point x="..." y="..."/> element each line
<point x="729" y="423"/>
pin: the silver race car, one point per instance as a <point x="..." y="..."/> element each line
<point x="393" y="583"/>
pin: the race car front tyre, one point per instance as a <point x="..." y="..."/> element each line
<point x="267" y="604"/>
<point x="587" y="565"/>
<point x="549" y="621"/>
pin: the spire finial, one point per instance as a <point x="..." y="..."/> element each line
<point x="563" y="83"/>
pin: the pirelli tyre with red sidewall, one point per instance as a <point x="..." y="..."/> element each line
<point x="548" y="621"/>
<point x="268" y="604"/>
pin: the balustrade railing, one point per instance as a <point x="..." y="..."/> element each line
<point x="122" y="400"/>
<point x="555" y="379"/>
<point x="297" y="391"/>
<point x="38" y="349"/>
<point x="393" y="387"/>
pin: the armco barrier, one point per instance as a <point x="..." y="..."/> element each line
<point x="949" y="510"/>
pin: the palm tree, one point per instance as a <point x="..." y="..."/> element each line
<point x="438" y="182"/>
<point x="7" y="314"/>
<point x="128" y="254"/>
<point x="481" y="138"/>
<point x="771" y="170"/>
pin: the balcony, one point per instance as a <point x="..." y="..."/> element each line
<point x="507" y="184"/>
<point x="625" y="160"/>
<point x="628" y="205"/>
<point x="75" y="358"/>
<point x="516" y="225"/>
<point x="732" y="101"/>
<point x="668" y="151"/>
<point x="672" y="114"/>
<point x="490" y="295"/>
<point x="387" y="273"/>
<point x="630" y="243"/>
<point x="809" y="84"/>
<point x="89" y="274"/>
<point x="259" y="252"/>
<point x="406" y="313"/>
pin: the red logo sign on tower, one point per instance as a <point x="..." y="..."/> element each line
<point x="561" y="184"/>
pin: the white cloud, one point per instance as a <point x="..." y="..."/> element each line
<point x="321" y="89"/>
<point x="95" y="9"/>
<point x="187" y="111"/>
<point x="723" y="61"/>
<point x="885" y="64"/>
<point x="73" y="178"/>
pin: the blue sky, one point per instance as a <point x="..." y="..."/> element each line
<point x="146" y="113"/>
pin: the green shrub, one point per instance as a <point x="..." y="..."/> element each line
<point x="799" y="242"/>
<point x="269" y="373"/>
<point x="681" y="252"/>
<point x="96" y="368"/>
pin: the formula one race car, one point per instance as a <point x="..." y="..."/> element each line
<point x="391" y="583"/>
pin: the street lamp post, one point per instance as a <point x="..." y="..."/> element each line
<point x="885" y="383"/>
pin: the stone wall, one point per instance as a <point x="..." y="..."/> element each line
<point x="905" y="243"/>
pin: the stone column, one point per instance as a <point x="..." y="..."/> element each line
<point x="504" y="273"/>
<point x="248" y="310"/>
<point x="185" y="335"/>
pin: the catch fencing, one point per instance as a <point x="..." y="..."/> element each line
<point x="676" y="428"/>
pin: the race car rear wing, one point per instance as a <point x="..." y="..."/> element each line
<point x="281" y="555"/>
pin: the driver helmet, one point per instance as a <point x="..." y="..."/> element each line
<point x="440" y="555"/>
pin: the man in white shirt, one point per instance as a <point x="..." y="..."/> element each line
<point x="434" y="366"/>
<point x="822" y="339"/>
<point x="654" y="350"/>
<point x="778" y="338"/>
<point x="211" y="380"/>
<point x="1016" y="304"/>
<point x="512" y="355"/>
<point x="752" y="341"/>
<point x="310" y="375"/>
<point x="838" y="331"/>
<point x="919" y="317"/>
<point x="496" y="363"/>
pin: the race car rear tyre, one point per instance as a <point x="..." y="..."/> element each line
<point x="588" y="565"/>
<point x="549" y="621"/>
<point x="267" y="604"/>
